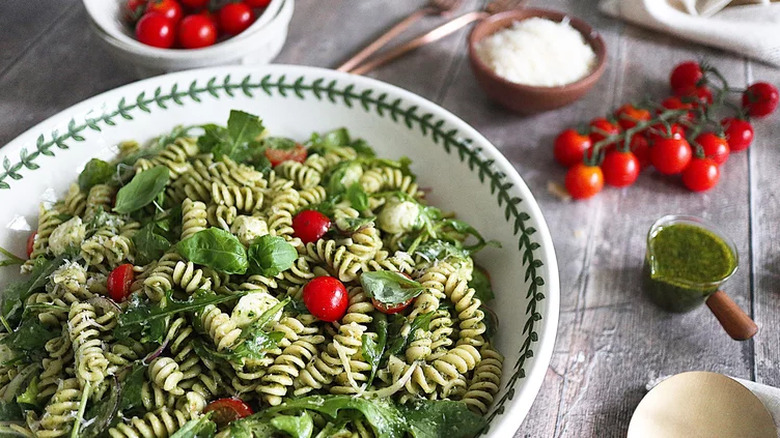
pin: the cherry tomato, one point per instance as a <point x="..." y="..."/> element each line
<point x="570" y="147"/>
<point x="701" y="95"/>
<point x="310" y="225"/>
<point x="628" y="115"/>
<point x="760" y="99"/>
<point x="31" y="243"/>
<point x="155" y="30"/>
<point x="641" y="149"/>
<point x="670" y="155"/>
<point x="119" y="281"/>
<point x="620" y="169"/>
<point x="391" y="309"/>
<point x="715" y="147"/>
<point x="278" y="156"/>
<point x="659" y="130"/>
<point x="195" y="4"/>
<point x="601" y="128"/>
<point x="234" y="18"/>
<point x="675" y="103"/>
<point x="326" y="298"/>
<point x="134" y="9"/>
<point x="171" y="9"/>
<point x="686" y="75"/>
<point x="257" y="3"/>
<point x="583" y="181"/>
<point x="701" y="174"/>
<point x="227" y="410"/>
<point x="197" y="31"/>
<point x="739" y="133"/>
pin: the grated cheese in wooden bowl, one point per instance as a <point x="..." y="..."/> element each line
<point x="538" y="52"/>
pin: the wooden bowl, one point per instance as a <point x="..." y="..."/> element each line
<point x="529" y="99"/>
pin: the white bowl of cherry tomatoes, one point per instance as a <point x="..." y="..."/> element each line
<point x="160" y="36"/>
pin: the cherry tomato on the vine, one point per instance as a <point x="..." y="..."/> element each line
<point x="278" y="156"/>
<point x="628" y="115"/>
<point x="570" y="147"/>
<point x="641" y="149"/>
<point x="391" y="309"/>
<point x="700" y="95"/>
<point x="760" y="99"/>
<point x="659" y="130"/>
<point x="171" y="9"/>
<point x="310" y="225"/>
<point x="326" y="298"/>
<point x="234" y="18"/>
<point x="715" y="147"/>
<point x="584" y="181"/>
<point x="601" y="128"/>
<point x="31" y="243"/>
<point x="195" y="4"/>
<point x="739" y="133"/>
<point x="227" y="410"/>
<point x="620" y="169"/>
<point x="154" y="29"/>
<point x="686" y="75"/>
<point x="676" y="103"/>
<point x="670" y="155"/>
<point x="196" y="31"/>
<point x="701" y="174"/>
<point x="119" y="281"/>
<point x="257" y="3"/>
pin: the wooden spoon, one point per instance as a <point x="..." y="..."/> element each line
<point x="732" y="318"/>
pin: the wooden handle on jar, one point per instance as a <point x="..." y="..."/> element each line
<point x="732" y="318"/>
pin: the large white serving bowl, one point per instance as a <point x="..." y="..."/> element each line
<point x="465" y="172"/>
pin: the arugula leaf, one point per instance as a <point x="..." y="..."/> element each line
<point x="480" y="282"/>
<point x="30" y="336"/>
<point x="400" y="342"/>
<point x="20" y="380"/>
<point x="254" y="426"/>
<point x="270" y="255"/>
<point x="349" y="225"/>
<point x="383" y="415"/>
<point x="321" y="143"/>
<point x="362" y="148"/>
<point x="100" y="415"/>
<point x="389" y="287"/>
<point x="142" y="189"/>
<point x="10" y="411"/>
<point x="441" y="419"/>
<point x="30" y="395"/>
<point x="342" y="175"/>
<point x="16" y="294"/>
<point x="12" y="258"/>
<point x="155" y="148"/>
<point x="95" y="172"/>
<point x="132" y="388"/>
<point x="434" y="250"/>
<point x="255" y="341"/>
<point x="296" y="426"/>
<point x="235" y="140"/>
<point x="149" y="246"/>
<point x="280" y="143"/>
<point x="373" y="350"/>
<point x="357" y="196"/>
<point x="141" y="314"/>
<point x="201" y="427"/>
<point x="460" y="226"/>
<point x="217" y="249"/>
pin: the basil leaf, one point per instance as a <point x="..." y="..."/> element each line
<point x="201" y="427"/>
<point x="389" y="287"/>
<point x="441" y="419"/>
<point x="149" y="246"/>
<point x="10" y="411"/>
<point x="141" y="190"/>
<point x="480" y="282"/>
<point x="95" y="172"/>
<point x="270" y="255"/>
<point x="357" y="197"/>
<point x="30" y="336"/>
<point x="216" y="248"/>
<point x="373" y="350"/>
<point x="296" y="426"/>
<point x="132" y="389"/>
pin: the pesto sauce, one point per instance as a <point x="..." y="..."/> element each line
<point x="685" y="265"/>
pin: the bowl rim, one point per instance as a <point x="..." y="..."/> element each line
<point x="531" y="367"/>
<point x="592" y="37"/>
<point x="270" y="14"/>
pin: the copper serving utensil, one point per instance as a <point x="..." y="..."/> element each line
<point x="732" y="318"/>
<point x="434" y="7"/>
<point x="438" y="33"/>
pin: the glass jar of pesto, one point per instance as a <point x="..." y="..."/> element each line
<point x="687" y="260"/>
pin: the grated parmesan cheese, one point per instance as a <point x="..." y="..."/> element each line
<point x="538" y="52"/>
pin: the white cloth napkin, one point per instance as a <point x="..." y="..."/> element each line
<point x="752" y="30"/>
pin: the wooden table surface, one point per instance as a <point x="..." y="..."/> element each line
<point x="611" y="341"/>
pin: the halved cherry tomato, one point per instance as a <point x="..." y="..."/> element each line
<point x="119" y="281"/>
<point x="670" y="155"/>
<point x="628" y="115"/>
<point x="570" y="147"/>
<point x="234" y="18"/>
<point x="31" y="243"/>
<point x="760" y="99"/>
<point x="701" y="174"/>
<point x="171" y="9"/>
<point x="620" y="168"/>
<point x="326" y="298"/>
<point x="391" y="309"/>
<point x="310" y="225"/>
<point x="715" y="147"/>
<point x="227" y="410"/>
<point x="583" y="181"/>
<point x="685" y="76"/>
<point x="739" y="133"/>
<point x="278" y="156"/>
